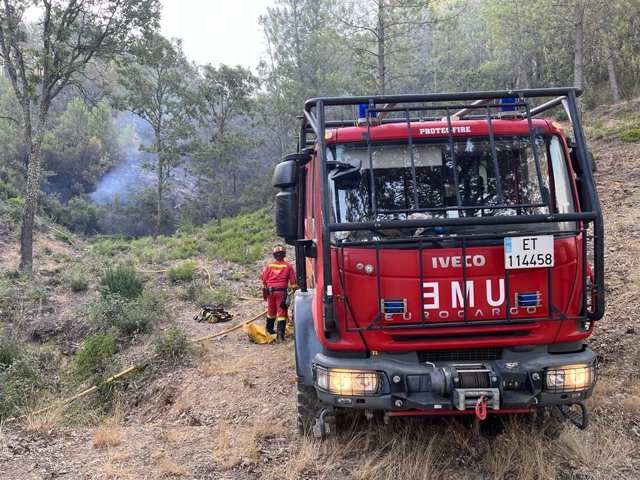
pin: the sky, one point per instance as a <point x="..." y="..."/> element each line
<point x="217" y="31"/>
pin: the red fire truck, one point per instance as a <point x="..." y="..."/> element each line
<point x="449" y="250"/>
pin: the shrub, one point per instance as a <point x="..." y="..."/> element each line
<point x="632" y="135"/>
<point x="109" y="247"/>
<point x="195" y="292"/>
<point x="128" y="316"/>
<point x="8" y="191"/>
<point x="78" y="215"/>
<point x="186" y="247"/>
<point x="62" y="237"/>
<point x="173" y="343"/>
<point x="16" y="207"/>
<point x="94" y="356"/>
<point x="202" y="295"/>
<point x="187" y="227"/>
<point x="78" y="282"/>
<point x="182" y="273"/>
<point x="223" y="296"/>
<point x="19" y="294"/>
<point x="10" y="351"/>
<point x="240" y="239"/>
<point x="25" y="376"/>
<point x="121" y="280"/>
<point x="148" y="249"/>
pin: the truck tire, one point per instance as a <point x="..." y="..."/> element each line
<point x="309" y="408"/>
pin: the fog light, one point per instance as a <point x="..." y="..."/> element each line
<point x="346" y="382"/>
<point x="570" y="378"/>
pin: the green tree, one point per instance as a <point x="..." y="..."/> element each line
<point x="13" y="154"/>
<point x="382" y="31"/>
<point x="157" y="85"/>
<point x="76" y="148"/>
<point x="227" y="95"/>
<point x="67" y="36"/>
<point x="306" y="59"/>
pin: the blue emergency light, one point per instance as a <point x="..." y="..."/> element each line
<point x="508" y="104"/>
<point x="363" y="109"/>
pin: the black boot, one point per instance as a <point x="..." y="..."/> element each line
<point x="282" y="324"/>
<point x="270" y="323"/>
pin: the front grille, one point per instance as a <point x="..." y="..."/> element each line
<point x="459" y="355"/>
<point x="416" y="338"/>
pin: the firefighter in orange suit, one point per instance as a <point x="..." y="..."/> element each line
<point x="276" y="279"/>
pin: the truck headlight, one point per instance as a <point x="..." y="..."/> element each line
<point x="341" y="381"/>
<point x="570" y="378"/>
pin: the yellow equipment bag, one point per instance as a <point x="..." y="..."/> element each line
<point x="258" y="333"/>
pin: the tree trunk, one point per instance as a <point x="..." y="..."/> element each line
<point x="381" y="52"/>
<point x="159" y="191"/>
<point x="34" y="141"/>
<point x="297" y="42"/>
<point x="611" y="69"/>
<point x="29" y="212"/>
<point x="220" y="202"/>
<point x="578" y="49"/>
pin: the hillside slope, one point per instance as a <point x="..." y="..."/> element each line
<point x="228" y="410"/>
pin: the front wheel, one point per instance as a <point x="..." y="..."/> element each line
<point x="309" y="408"/>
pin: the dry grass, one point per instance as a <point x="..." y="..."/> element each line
<point x="520" y="453"/>
<point x="234" y="447"/>
<point x="120" y="456"/>
<point x="630" y="405"/>
<point x="599" y="450"/>
<point x="117" y="472"/>
<point x="106" y="436"/>
<point x="406" y="454"/>
<point x="267" y="427"/>
<point x="42" y="420"/>
<point x="428" y="450"/>
<point x="302" y="460"/>
<point x="625" y="396"/>
<point x="174" y="435"/>
<point x="228" y="366"/>
<point x="375" y="453"/>
<point x="170" y="468"/>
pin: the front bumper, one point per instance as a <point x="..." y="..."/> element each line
<point x="517" y="382"/>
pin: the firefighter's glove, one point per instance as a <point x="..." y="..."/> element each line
<point x="264" y="294"/>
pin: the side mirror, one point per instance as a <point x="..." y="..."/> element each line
<point x="287" y="214"/>
<point x="345" y="175"/>
<point x="285" y="174"/>
<point x="285" y="177"/>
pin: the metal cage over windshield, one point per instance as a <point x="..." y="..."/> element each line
<point x="430" y="179"/>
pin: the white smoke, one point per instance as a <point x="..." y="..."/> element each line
<point x="125" y="179"/>
<point x="129" y="176"/>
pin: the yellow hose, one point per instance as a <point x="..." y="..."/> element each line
<point x="131" y="368"/>
<point x="68" y="401"/>
<point x="224" y="332"/>
<point x="84" y="393"/>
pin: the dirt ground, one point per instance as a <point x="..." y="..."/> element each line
<point x="228" y="411"/>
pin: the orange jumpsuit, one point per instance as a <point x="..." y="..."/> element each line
<point x="276" y="277"/>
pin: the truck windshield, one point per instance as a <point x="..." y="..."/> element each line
<point x="510" y="176"/>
